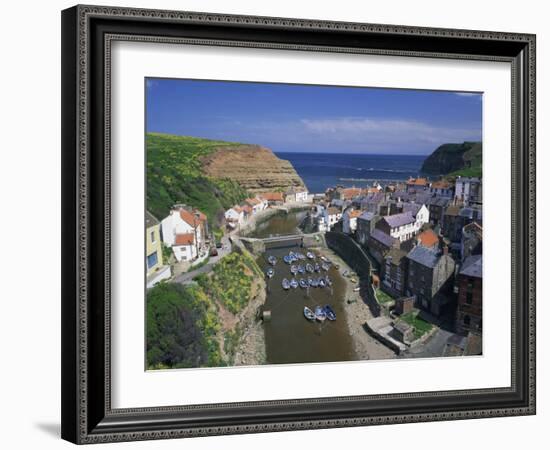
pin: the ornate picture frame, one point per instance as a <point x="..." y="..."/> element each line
<point x="87" y="35"/>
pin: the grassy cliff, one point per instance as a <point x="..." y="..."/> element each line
<point x="455" y="159"/>
<point x="175" y="175"/>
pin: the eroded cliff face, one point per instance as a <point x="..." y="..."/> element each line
<point x="254" y="167"/>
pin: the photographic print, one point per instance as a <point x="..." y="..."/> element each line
<point x="290" y="223"/>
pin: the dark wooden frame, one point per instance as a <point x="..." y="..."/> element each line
<point x="87" y="31"/>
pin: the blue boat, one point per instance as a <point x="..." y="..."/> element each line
<point x="270" y="272"/>
<point x="329" y="312"/>
<point x="301" y="268"/>
<point x="310" y="281"/>
<point x="320" y="314"/>
<point x="286" y="284"/>
<point x="315" y="282"/>
<point x="322" y="282"/>
<point x="293" y="283"/>
<point x="287" y="259"/>
<point x="303" y="283"/>
<point x="272" y="260"/>
<point x="317" y="267"/>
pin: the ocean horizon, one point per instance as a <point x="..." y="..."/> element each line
<point x="320" y="171"/>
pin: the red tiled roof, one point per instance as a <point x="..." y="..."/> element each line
<point x="417" y="181"/>
<point x="201" y="215"/>
<point x="189" y="218"/>
<point x="272" y="196"/>
<point x="428" y="238"/>
<point x="350" y="192"/>
<point x="355" y="213"/>
<point x="441" y="184"/>
<point x="185" y="239"/>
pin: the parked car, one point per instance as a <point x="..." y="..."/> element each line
<point x="219" y="245"/>
<point x="213" y="252"/>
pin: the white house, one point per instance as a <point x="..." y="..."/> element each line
<point x="349" y="220"/>
<point x="334" y="216"/>
<point x="302" y="195"/>
<point x="184" y="231"/>
<point x="234" y="216"/>
<point x="297" y="195"/>
<point x="468" y="190"/>
<point x="405" y="225"/>
<point x="442" y="188"/>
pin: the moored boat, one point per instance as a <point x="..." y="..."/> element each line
<point x="317" y="267"/>
<point x="300" y="255"/>
<point x="328" y="281"/>
<point x="325" y="267"/>
<point x="320" y="314"/>
<point x="293" y="269"/>
<point x="270" y="272"/>
<point x="329" y="312"/>
<point x="286" y="284"/>
<point x="272" y="260"/>
<point x="303" y="283"/>
<point x="301" y="268"/>
<point x="286" y="259"/>
<point x="310" y="281"/>
<point x="315" y="282"/>
<point x="322" y="282"/>
<point x="308" y="313"/>
<point x="309" y="268"/>
<point x="293" y="283"/>
<point x="310" y="255"/>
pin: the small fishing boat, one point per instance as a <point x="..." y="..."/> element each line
<point x="303" y="283"/>
<point x="286" y="284"/>
<point x="286" y="259"/>
<point x="317" y="267"/>
<point x="328" y="281"/>
<point x="310" y="255"/>
<point x="315" y="282"/>
<point x="309" y="268"/>
<point x="310" y="281"/>
<point x="325" y="267"/>
<point x="293" y="269"/>
<point x="329" y="312"/>
<point x="320" y="314"/>
<point x="293" y="283"/>
<point x="270" y="272"/>
<point x="323" y="258"/>
<point x="272" y="260"/>
<point x="308" y="313"/>
<point x="292" y="256"/>
<point x="322" y="282"/>
<point x="301" y="268"/>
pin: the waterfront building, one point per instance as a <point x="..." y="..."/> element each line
<point x="342" y="193"/>
<point x="296" y="194"/>
<point x="417" y="184"/>
<point x="429" y="276"/>
<point x="380" y="243"/>
<point x="468" y="190"/>
<point x="469" y="281"/>
<point x="273" y="198"/>
<point x="334" y="216"/>
<point x="156" y="270"/>
<point x="349" y="220"/>
<point x="394" y="272"/>
<point x="234" y="216"/>
<point x="365" y="225"/>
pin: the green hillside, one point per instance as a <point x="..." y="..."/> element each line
<point x="455" y="159"/>
<point x="174" y="175"/>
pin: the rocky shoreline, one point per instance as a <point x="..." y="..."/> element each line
<point x="357" y="313"/>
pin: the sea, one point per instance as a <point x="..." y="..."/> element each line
<point x="323" y="170"/>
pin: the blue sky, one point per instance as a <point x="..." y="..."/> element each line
<point x="304" y="118"/>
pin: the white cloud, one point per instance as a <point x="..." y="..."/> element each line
<point x="468" y="94"/>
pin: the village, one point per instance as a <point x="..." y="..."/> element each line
<point x="422" y="242"/>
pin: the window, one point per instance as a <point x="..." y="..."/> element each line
<point x="152" y="260"/>
<point x="152" y="237"/>
<point x="467" y="320"/>
<point x="469" y="298"/>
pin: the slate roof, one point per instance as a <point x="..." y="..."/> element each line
<point x="396" y="255"/>
<point x="150" y="220"/>
<point x="423" y="255"/>
<point x="398" y="220"/>
<point x="367" y="215"/>
<point x="413" y="208"/>
<point x="439" y="201"/>
<point x="472" y="266"/>
<point x="382" y="237"/>
<point x="470" y="213"/>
